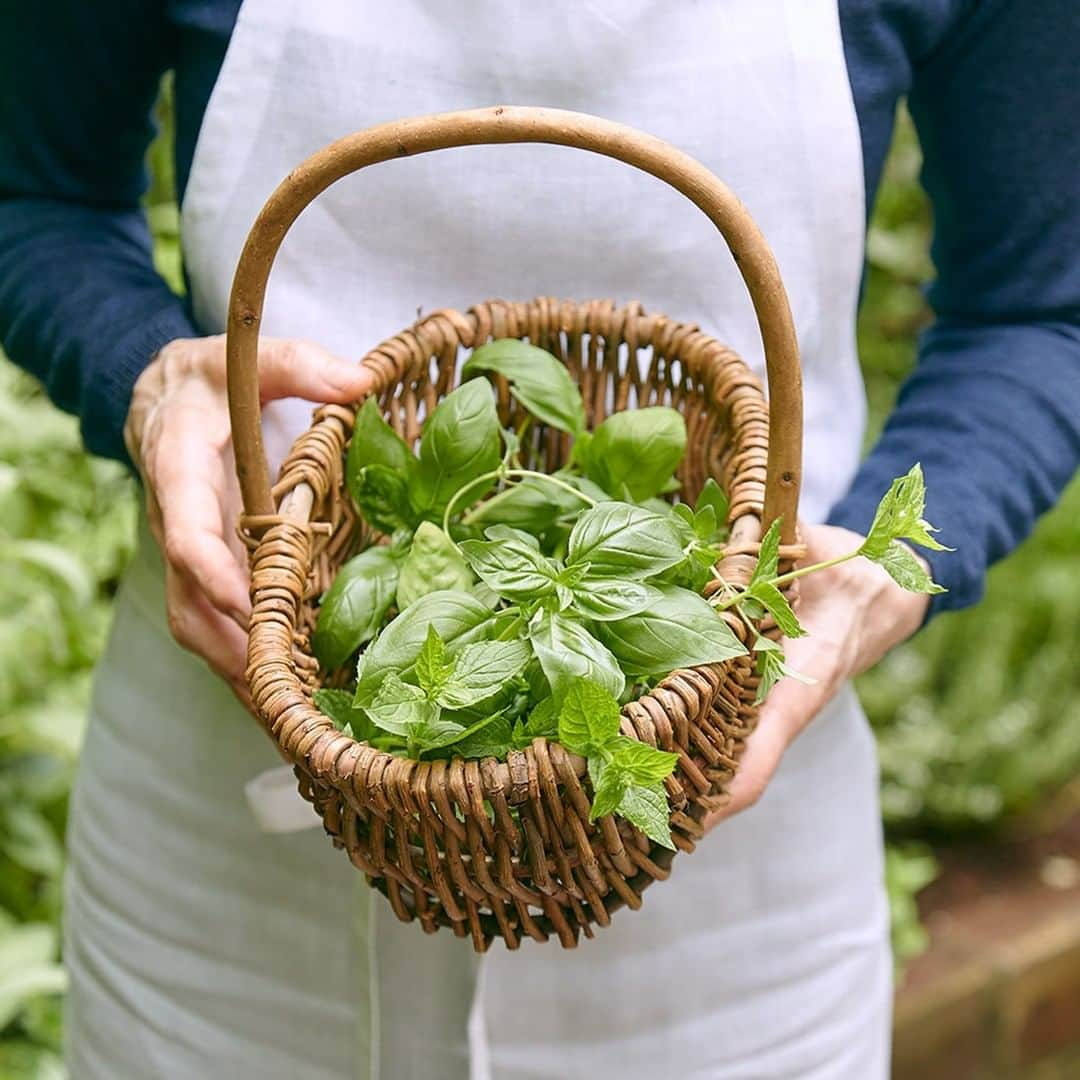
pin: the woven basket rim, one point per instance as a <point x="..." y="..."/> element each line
<point x="339" y="759"/>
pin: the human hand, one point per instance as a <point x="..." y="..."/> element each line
<point x="178" y="435"/>
<point x="853" y="614"/>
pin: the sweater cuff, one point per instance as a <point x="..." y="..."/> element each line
<point x="108" y="387"/>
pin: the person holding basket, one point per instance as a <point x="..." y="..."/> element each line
<point x="206" y="941"/>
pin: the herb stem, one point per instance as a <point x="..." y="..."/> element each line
<point x="783" y="579"/>
<point x="511" y="628"/>
<point x="456" y="497"/>
<point x="519" y="473"/>
<point x="569" y="488"/>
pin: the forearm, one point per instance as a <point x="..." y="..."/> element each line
<point x="993" y="413"/>
<point x="82" y="309"/>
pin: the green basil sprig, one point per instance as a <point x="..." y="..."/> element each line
<point x="536" y="379"/>
<point x="627" y="775"/>
<point x="508" y="596"/>
<point x="897" y="522"/>
<point x="353" y="608"/>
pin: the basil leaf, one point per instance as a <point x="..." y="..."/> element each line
<point x="712" y="496"/>
<point x="904" y="568"/>
<point x="586" y="487"/>
<point x="534" y="504"/>
<point x="461" y="442"/>
<point x="337" y="705"/>
<point x="624" y="541"/>
<point x="382" y="494"/>
<point x="680" y="630"/>
<point x="573" y="576"/>
<point x="400" y="708"/>
<point x="899" y="517"/>
<point x="569" y="579"/>
<point x="433" y="668"/>
<point x="530" y="504"/>
<point x="647" y="808"/>
<point x="433" y="562"/>
<point x="511" y="564"/>
<point x="536" y="378"/>
<point x="567" y="651"/>
<point x="485" y="594"/>
<point x="658" y="505"/>
<point x="454" y="615"/>
<point x="641" y="763"/>
<point x="481" y="671"/>
<point x="497" y="626"/>
<point x="504" y="532"/>
<point x="682" y="518"/>
<point x="353" y="608"/>
<point x="589" y="718"/>
<point x="382" y="497"/>
<point x="705" y="524"/>
<point x="609" y="598"/>
<point x="633" y="453"/>
<point x="493" y="739"/>
<point x="374" y="442"/>
<point x="774" y="601"/>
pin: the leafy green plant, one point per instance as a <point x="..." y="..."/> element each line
<point x="627" y="775"/>
<point x="897" y="523"/>
<point x="482" y="635"/>
<point x="909" y="868"/>
<point x="66" y="525"/>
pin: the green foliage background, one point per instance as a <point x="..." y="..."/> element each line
<point x="977" y="719"/>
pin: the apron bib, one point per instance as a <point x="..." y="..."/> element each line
<point x="766" y="953"/>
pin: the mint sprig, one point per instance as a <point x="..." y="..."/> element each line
<point x="427" y="706"/>
<point x="627" y="775"/>
<point x="897" y="523"/>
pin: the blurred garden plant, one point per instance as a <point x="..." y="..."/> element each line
<point x="66" y="523"/>
<point x="978" y="718"/>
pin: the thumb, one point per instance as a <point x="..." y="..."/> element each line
<point x="305" y="370"/>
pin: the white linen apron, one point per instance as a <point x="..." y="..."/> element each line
<point x="203" y="947"/>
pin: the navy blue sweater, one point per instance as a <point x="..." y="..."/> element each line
<point x="992" y="409"/>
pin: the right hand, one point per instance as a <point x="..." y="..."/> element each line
<point x="178" y="435"/>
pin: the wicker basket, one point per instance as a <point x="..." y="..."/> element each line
<point x="506" y="849"/>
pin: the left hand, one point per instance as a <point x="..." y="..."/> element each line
<point x="853" y="615"/>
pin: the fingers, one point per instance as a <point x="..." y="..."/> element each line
<point x="204" y="631"/>
<point x="789" y="708"/>
<point x="190" y="483"/>
<point x="178" y="431"/>
<point x="759" y="761"/>
<point x="853" y="613"/>
<point x="305" y="370"/>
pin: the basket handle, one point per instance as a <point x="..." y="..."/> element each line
<point x="514" y="124"/>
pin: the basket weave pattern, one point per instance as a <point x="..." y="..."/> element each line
<point x="494" y="849"/>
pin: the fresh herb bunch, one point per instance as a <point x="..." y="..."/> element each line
<point x="510" y="604"/>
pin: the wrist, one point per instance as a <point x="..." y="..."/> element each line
<point x="145" y="391"/>
<point x="860" y="594"/>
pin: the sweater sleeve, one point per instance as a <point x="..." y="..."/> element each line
<point x="81" y="306"/>
<point x="992" y="409"/>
